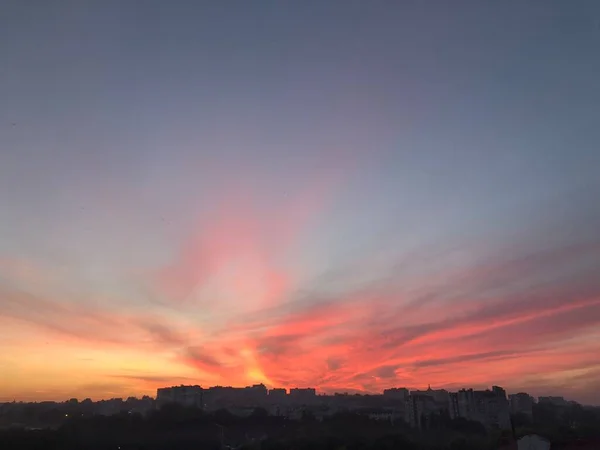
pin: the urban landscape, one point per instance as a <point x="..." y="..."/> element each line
<point x="488" y="412"/>
<point x="255" y="417"/>
<point x="491" y="407"/>
<point x="300" y="225"/>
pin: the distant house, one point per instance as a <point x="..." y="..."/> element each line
<point x="533" y="442"/>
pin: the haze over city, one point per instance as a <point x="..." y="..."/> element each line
<point x="343" y="195"/>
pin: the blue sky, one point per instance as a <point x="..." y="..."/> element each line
<point x="153" y="155"/>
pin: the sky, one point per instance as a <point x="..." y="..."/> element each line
<point x="345" y="195"/>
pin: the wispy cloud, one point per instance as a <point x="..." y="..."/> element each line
<point x="450" y="320"/>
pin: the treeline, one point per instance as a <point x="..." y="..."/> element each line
<point x="177" y="427"/>
<point x="560" y="424"/>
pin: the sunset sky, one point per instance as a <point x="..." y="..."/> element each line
<point x="348" y="195"/>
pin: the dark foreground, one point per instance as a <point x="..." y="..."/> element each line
<point x="184" y="428"/>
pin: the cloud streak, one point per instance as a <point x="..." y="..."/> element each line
<point x="500" y="317"/>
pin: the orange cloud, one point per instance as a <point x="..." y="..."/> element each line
<point x="503" y="320"/>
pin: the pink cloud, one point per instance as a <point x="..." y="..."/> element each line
<point x="455" y="328"/>
<point x="246" y="246"/>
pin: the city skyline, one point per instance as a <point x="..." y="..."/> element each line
<point x="269" y="390"/>
<point x="344" y="195"/>
<point x="417" y="408"/>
